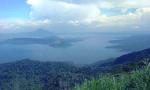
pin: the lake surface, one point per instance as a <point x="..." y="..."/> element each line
<point x="89" y="48"/>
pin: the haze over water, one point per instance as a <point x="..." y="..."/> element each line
<point x="89" y="48"/>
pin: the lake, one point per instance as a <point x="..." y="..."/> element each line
<point x="78" y="48"/>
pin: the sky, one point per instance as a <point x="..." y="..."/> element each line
<point x="74" y="15"/>
<point x="13" y="9"/>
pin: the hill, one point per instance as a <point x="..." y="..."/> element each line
<point x="127" y="72"/>
<point x="135" y="80"/>
<point x="127" y="62"/>
<point x="35" y="75"/>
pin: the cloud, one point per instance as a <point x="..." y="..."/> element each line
<point x="87" y="12"/>
<point x="59" y="11"/>
<point x="84" y="14"/>
<point x="22" y="25"/>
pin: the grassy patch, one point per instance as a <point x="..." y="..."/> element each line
<point x="136" y="80"/>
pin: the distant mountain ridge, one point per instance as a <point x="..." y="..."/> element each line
<point x="132" y="57"/>
<point x="129" y="62"/>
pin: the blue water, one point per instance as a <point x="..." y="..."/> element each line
<point x="89" y="49"/>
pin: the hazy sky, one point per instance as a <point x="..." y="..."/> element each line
<point x="100" y="15"/>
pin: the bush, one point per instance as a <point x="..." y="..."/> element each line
<point x="135" y="80"/>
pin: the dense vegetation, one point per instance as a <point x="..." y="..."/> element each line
<point x="126" y="72"/>
<point x="34" y="75"/>
<point x="135" y="80"/>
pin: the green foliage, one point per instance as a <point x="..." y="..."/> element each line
<point x="21" y="83"/>
<point x="136" y="80"/>
<point x="34" y="75"/>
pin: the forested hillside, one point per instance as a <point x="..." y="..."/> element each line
<point x="35" y="75"/>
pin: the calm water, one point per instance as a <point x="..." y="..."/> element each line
<point x="89" y="49"/>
